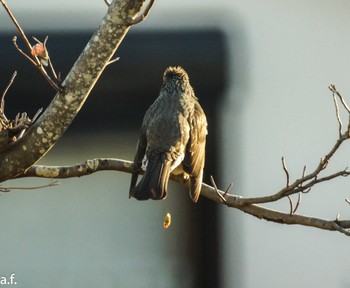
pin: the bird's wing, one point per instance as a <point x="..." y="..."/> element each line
<point x="195" y="151"/>
<point x="194" y="160"/>
<point x="142" y="142"/>
<point x="140" y="153"/>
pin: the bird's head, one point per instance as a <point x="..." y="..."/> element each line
<point x="175" y="77"/>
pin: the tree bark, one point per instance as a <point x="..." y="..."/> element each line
<point x="44" y="133"/>
<point x="213" y="193"/>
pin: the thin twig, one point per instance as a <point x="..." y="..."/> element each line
<point x="217" y="190"/>
<point x="113" y="60"/>
<point x="337" y="218"/>
<point x="2" y="107"/>
<point x="302" y="188"/>
<point x="311" y="179"/>
<point x="14" y="40"/>
<point x="9" y="188"/>
<point x="290" y="205"/>
<point x="298" y="202"/>
<point x="334" y="90"/>
<point x="337" y="114"/>
<point x="52" y="69"/>
<point x="302" y="176"/>
<point x="285" y="170"/>
<point x="228" y="189"/>
<point x="36" y="62"/>
<point x="23" y="35"/>
<point x="337" y="227"/>
<point x="36" y="115"/>
<point x="143" y="16"/>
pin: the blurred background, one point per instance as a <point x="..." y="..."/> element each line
<point x="260" y="70"/>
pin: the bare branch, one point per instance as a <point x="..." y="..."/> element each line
<point x="36" y="115"/>
<point x="83" y="169"/>
<point x="342" y="100"/>
<point x="36" y="62"/>
<point x="290" y="205"/>
<point x="2" y="107"/>
<point x="91" y="166"/>
<point x="228" y="189"/>
<point x="285" y="170"/>
<point x="77" y="86"/>
<point x="298" y="203"/>
<point x="38" y="65"/>
<point x="10" y="188"/>
<point x="217" y="190"/>
<point x="143" y="16"/>
<point x="113" y="60"/>
<point x="337" y="114"/>
<point x="23" y="35"/>
<point x="14" y="40"/>
<point x="277" y="216"/>
<point x="311" y="179"/>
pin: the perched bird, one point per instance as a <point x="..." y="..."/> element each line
<point x="172" y="140"/>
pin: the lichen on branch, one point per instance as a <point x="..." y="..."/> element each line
<point x="57" y="117"/>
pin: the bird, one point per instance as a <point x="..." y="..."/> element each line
<point x="172" y="139"/>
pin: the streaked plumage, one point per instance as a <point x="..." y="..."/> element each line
<point x="172" y="139"/>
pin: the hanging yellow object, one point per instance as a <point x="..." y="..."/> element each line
<point x="167" y="221"/>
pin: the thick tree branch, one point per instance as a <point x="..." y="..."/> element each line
<point x="82" y="169"/>
<point x="40" y="138"/>
<point x="274" y="215"/>
<point x="91" y="166"/>
<point x="248" y="205"/>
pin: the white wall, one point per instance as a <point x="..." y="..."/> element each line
<point x="287" y="53"/>
<point x="283" y="56"/>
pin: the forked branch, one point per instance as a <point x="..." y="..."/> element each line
<point x="37" y="59"/>
<point x="212" y="192"/>
<point x="78" y="84"/>
<point x="248" y="205"/>
<point x="143" y="15"/>
<point x="12" y="130"/>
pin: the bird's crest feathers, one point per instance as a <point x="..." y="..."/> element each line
<point x="176" y="73"/>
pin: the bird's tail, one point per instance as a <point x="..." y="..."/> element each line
<point x="154" y="182"/>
